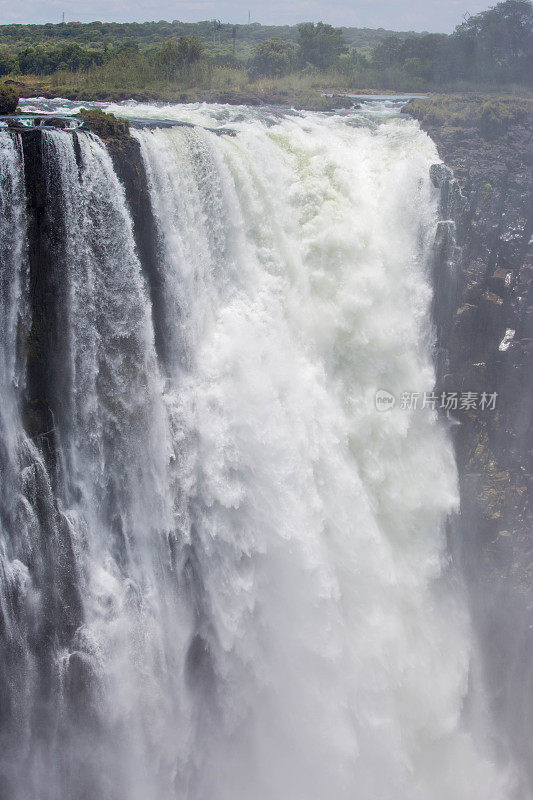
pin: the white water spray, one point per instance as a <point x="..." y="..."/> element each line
<point x="268" y="608"/>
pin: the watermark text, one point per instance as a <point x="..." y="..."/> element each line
<point x="445" y="401"/>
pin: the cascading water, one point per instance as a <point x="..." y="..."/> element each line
<point x="231" y="582"/>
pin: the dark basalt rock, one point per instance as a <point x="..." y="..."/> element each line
<point x="45" y="390"/>
<point x="23" y="122"/>
<point x="483" y="314"/>
<point x="45" y="351"/>
<point x="125" y="153"/>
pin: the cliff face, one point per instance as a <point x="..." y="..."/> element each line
<point x="46" y="236"/>
<point x="45" y="348"/>
<point x="483" y="315"/>
<point x="43" y="692"/>
<point x="125" y="153"/>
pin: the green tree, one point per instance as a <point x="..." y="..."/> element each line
<point x="387" y="53"/>
<point x="352" y="62"/>
<point x="273" y="58"/>
<point x="497" y="43"/>
<point x="173" y="56"/>
<point x="320" y="44"/>
<point x="7" y="63"/>
<point x="34" y="61"/>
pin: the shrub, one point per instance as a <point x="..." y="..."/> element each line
<point x="104" y="125"/>
<point x="173" y="57"/>
<point x="273" y="59"/>
<point x="497" y="116"/>
<point x="320" y="44"/>
<point x="491" y="116"/>
<point x="9" y="100"/>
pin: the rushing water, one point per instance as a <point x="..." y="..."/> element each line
<point x="232" y="581"/>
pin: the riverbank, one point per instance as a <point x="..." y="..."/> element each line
<point x="298" y="98"/>
<point x="301" y="92"/>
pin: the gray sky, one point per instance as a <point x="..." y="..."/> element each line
<point x="430" y="15"/>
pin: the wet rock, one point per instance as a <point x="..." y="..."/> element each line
<point x="45" y="344"/>
<point x="483" y="298"/>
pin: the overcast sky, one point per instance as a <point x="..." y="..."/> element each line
<point x="419" y="15"/>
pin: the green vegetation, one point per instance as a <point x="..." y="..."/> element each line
<point x="491" y="48"/>
<point x="321" y="45"/>
<point x="174" y="61"/>
<point x="273" y="58"/>
<point x="8" y="100"/>
<point x="37" y="61"/>
<point x="218" y="39"/>
<point x="104" y="125"/>
<point x="490" y="116"/>
<point x="173" y="58"/>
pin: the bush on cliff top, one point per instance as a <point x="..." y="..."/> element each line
<point x="9" y="100"/>
<point x="497" y="116"/>
<point x="104" y="125"/>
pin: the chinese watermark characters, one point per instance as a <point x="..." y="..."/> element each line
<point x="445" y="401"/>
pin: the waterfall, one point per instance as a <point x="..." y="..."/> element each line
<point x="230" y="581"/>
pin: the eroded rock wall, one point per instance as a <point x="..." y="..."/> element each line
<point x="483" y="315"/>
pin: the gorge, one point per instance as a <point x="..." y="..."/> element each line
<point x="225" y="572"/>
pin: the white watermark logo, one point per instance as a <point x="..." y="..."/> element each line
<point x="445" y="401"/>
<point x="384" y="400"/>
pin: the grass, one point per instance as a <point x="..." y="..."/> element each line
<point x="133" y="76"/>
<point x="491" y="115"/>
<point x="135" y="79"/>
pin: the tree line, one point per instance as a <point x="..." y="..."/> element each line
<point x="493" y="47"/>
<point x="102" y="35"/>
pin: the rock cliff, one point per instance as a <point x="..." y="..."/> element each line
<point x="483" y="315"/>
